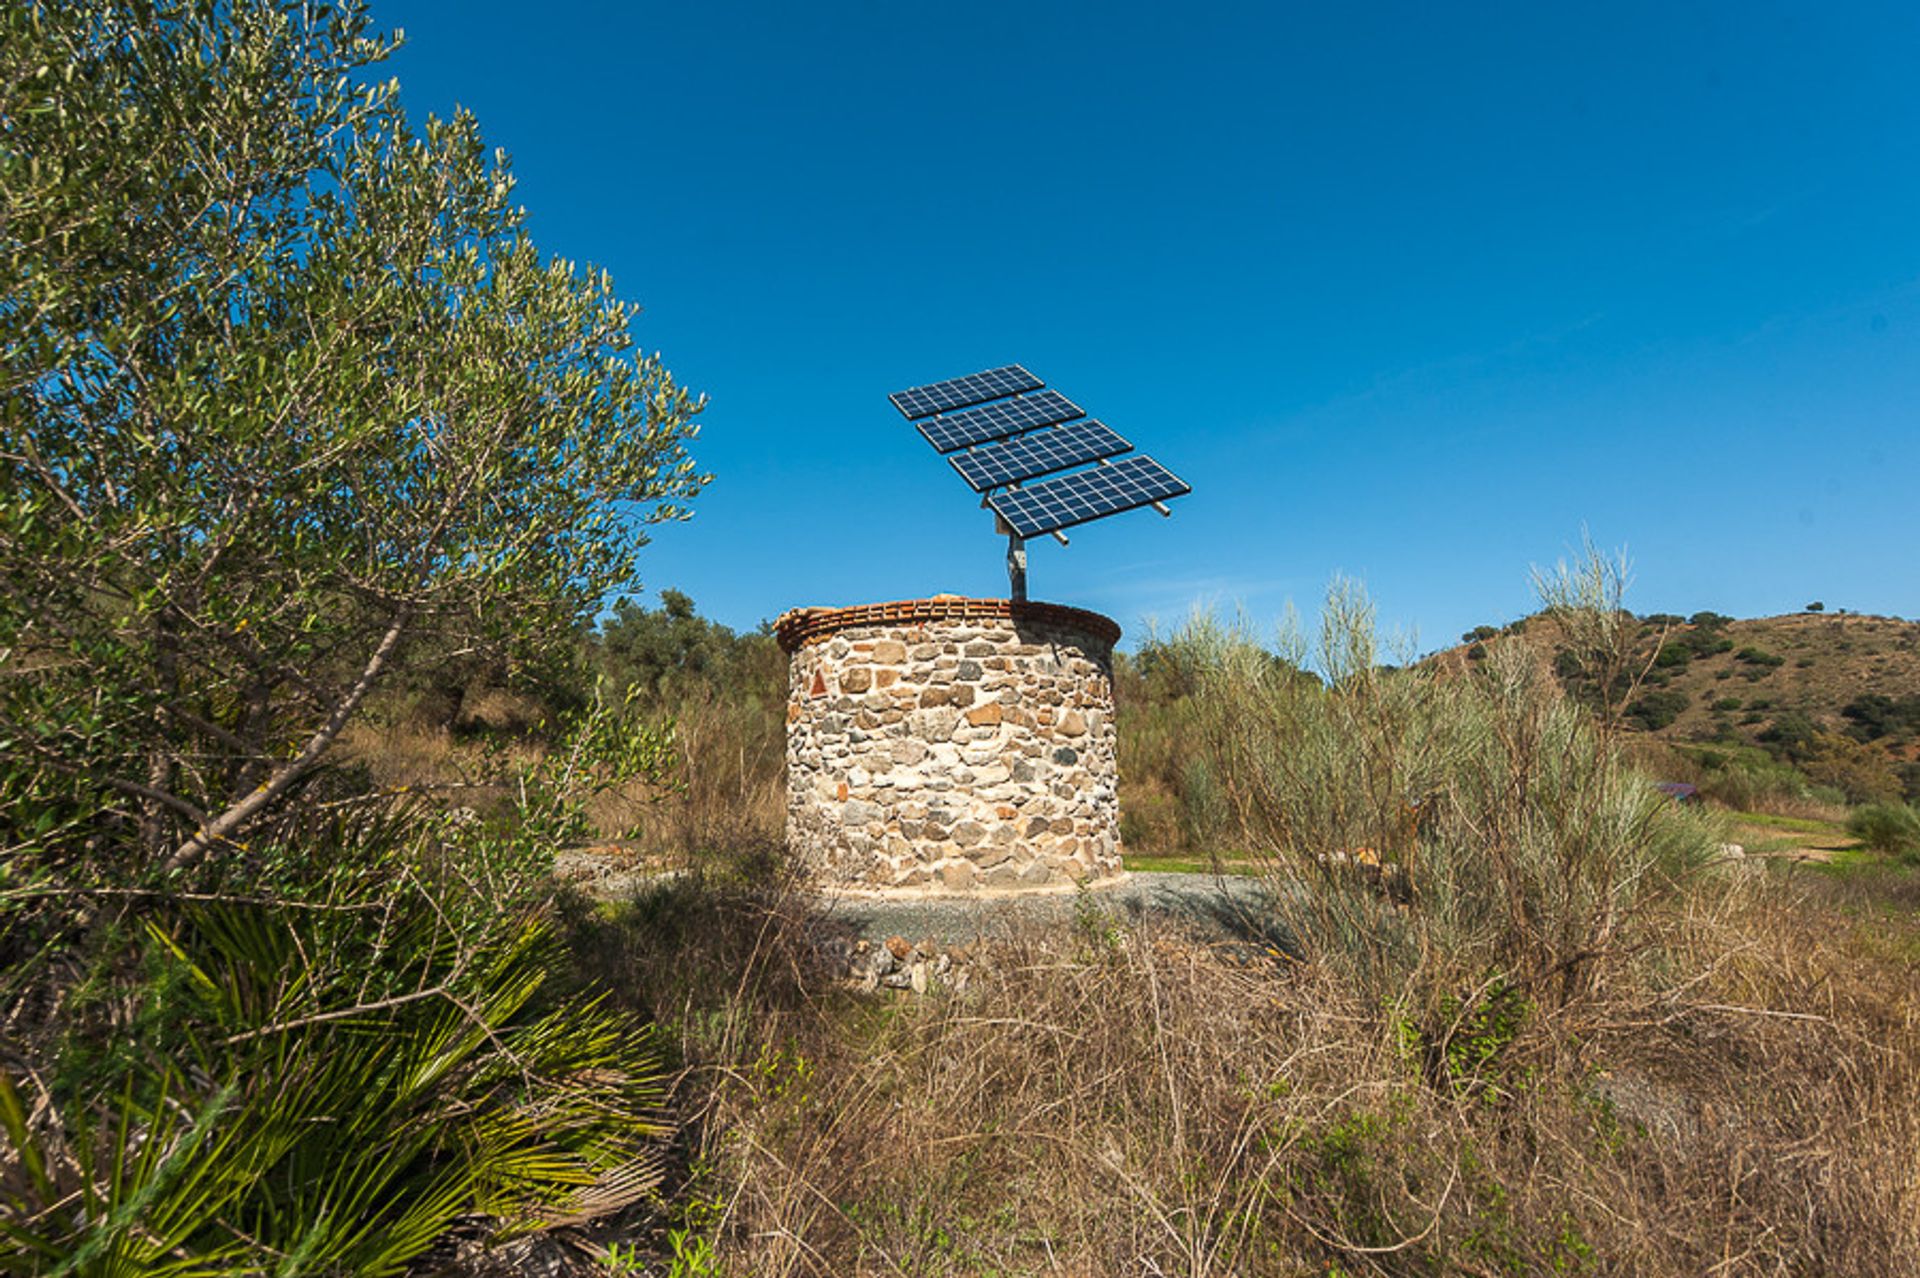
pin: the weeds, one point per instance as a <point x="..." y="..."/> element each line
<point x="1155" y="1109"/>
<point x="1525" y="1028"/>
<point x="1893" y="828"/>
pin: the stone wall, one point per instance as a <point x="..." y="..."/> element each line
<point x="952" y="744"/>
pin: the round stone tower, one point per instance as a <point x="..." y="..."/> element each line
<point x="951" y="744"/>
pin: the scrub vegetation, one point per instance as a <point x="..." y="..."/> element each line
<point x="1512" y="1011"/>
<point x="314" y="476"/>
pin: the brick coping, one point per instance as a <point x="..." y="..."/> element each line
<point x="799" y="627"/>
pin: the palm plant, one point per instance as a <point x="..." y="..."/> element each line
<point x="343" y="1086"/>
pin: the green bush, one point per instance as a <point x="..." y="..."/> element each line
<point x="1791" y="734"/>
<point x="1877" y="715"/>
<point x="1673" y="655"/>
<point x="1893" y="828"/>
<point x="1728" y="703"/>
<point x="1385" y="807"/>
<point x="329" y="1086"/>
<point x="1658" y="709"/>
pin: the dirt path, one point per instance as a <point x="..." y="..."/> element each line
<point x="1229" y="910"/>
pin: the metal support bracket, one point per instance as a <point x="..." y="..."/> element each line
<point x="1016" y="558"/>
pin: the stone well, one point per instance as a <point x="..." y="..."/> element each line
<point x="951" y="744"/>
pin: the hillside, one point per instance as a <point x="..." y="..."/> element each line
<point x="1837" y="695"/>
<point x="1807" y="663"/>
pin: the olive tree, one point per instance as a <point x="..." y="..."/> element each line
<point x="286" y="395"/>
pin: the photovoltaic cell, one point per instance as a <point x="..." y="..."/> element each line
<point x="997" y="420"/>
<point x="1067" y="500"/>
<point x="1039" y="453"/>
<point x="959" y="392"/>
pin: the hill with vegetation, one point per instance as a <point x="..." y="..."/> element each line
<point x="1832" y="697"/>
<point x="316" y="478"/>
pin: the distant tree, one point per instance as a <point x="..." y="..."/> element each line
<point x="1657" y="710"/>
<point x="1816" y="606"/>
<point x="290" y="399"/>
<point x="1709" y="620"/>
<point x="1704" y="641"/>
<point x="1672" y="655"/>
<point x="1790" y="735"/>
<point x="1480" y="634"/>
<point x="1597" y="658"/>
<point x="1861" y="772"/>
<point x="672" y="650"/>
<point x="1876" y="715"/>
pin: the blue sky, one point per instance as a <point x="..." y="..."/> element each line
<point x="1407" y="292"/>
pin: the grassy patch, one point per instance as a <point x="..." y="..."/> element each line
<point x="1190" y="865"/>
<point x="1802" y="825"/>
<point x="1859" y="860"/>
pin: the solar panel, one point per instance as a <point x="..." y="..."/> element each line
<point x="959" y="392"/>
<point x="1040" y="453"/>
<point x="998" y="420"/>
<point x="1067" y="500"/>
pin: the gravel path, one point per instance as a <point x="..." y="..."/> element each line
<point x="1215" y="909"/>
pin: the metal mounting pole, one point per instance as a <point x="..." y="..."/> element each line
<point x="1016" y="557"/>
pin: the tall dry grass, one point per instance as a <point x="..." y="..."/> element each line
<point x="1538" y="1027"/>
<point x="1744" y="1101"/>
<point x="1425" y="830"/>
<point x="726" y="789"/>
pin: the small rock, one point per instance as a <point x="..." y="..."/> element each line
<point x="898" y="947"/>
<point x="918" y="978"/>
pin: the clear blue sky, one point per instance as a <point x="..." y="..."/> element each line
<point x="1402" y="292"/>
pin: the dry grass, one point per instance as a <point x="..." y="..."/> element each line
<point x="1745" y="1099"/>
<point x="728" y="791"/>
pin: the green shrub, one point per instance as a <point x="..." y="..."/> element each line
<point x="1701" y="643"/>
<point x="1877" y="715"/>
<point x="1673" y="655"/>
<point x="1658" y="709"/>
<point x="1893" y="828"/>
<point x="328" y="1087"/>
<point x="1790" y="734"/>
<point x="1759" y="657"/>
<point x="1728" y="703"/>
<point x="1417" y="769"/>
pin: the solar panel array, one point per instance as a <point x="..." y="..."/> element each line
<point x="1040" y="453"/>
<point x="1002" y="428"/>
<point x="997" y="420"/>
<point x="959" y="392"/>
<point x="1062" y="502"/>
